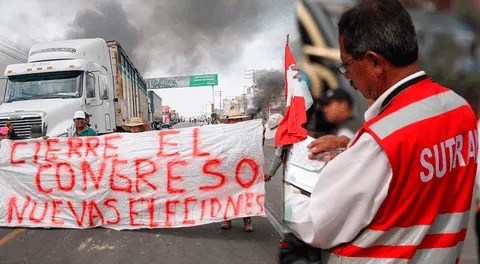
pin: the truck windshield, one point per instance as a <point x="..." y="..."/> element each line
<point x="165" y="112"/>
<point x="44" y="86"/>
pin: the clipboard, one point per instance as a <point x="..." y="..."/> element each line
<point x="300" y="171"/>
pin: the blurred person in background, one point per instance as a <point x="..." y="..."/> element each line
<point x="36" y="132"/>
<point x="3" y="133"/>
<point x="337" y="107"/>
<point x="270" y="130"/>
<point x="87" y="119"/>
<point x="12" y="135"/>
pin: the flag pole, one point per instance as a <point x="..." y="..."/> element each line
<point x="283" y="169"/>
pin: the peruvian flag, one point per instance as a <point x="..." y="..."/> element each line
<point x="299" y="99"/>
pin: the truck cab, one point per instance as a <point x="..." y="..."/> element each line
<point x="167" y="116"/>
<point x="60" y="78"/>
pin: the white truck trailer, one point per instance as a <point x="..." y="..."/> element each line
<point x="62" y="77"/>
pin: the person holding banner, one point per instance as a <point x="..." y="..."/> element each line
<point x="80" y="127"/>
<point x="136" y="125"/>
<point x="402" y="190"/>
<point x="36" y="132"/>
<point x="3" y="133"/>
<point x="235" y="116"/>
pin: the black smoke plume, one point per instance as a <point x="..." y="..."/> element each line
<point x="184" y="36"/>
<point x="271" y="89"/>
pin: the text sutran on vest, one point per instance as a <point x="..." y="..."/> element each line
<point x="448" y="154"/>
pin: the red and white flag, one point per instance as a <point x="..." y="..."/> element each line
<point x="299" y="99"/>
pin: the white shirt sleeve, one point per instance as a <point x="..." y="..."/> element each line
<point x="348" y="194"/>
<point x="346" y="132"/>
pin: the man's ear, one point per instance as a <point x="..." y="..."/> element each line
<point x="371" y="58"/>
<point x="377" y="62"/>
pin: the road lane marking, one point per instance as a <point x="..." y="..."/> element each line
<point x="11" y="235"/>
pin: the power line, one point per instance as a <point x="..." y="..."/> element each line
<point x="13" y="56"/>
<point x="14" y="44"/>
<point x="13" y="59"/>
<point x="14" y="50"/>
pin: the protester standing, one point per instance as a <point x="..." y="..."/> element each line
<point x="87" y="119"/>
<point x="81" y="129"/>
<point x="36" y="132"/>
<point x="12" y="135"/>
<point x="270" y="130"/>
<point x="136" y="125"/>
<point x="3" y="133"/>
<point x="402" y="190"/>
<point x="235" y="116"/>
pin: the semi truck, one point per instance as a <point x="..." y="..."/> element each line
<point x="175" y="117"/>
<point x="166" y="116"/>
<point x="156" y="114"/>
<point x="62" y="77"/>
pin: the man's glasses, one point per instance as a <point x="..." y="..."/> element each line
<point x="344" y="67"/>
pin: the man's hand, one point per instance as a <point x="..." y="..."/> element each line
<point x="10" y="126"/>
<point x="325" y="144"/>
<point x="267" y="177"/>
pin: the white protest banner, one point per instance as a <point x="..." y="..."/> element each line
<point x="156" y="179"/>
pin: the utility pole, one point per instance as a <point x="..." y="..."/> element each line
<point x="213" y="97"/>
<point x="249" y="74"/>
<point x="220" y="94"/>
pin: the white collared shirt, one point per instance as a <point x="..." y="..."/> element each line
<point x="349" y="192"/>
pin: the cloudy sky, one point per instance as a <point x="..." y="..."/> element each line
<point x="165" y="37"/>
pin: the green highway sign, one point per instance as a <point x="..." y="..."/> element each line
<point x="182" y="81"/>
<point x="204" y="80"/>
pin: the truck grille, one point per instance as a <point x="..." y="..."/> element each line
<point x="23" y="124"/>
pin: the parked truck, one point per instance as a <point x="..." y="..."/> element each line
<point x="174" y="119"/>
<point x="156" y="114"/>
<point x="62" y="77"/>
<point x="166" y="116"/>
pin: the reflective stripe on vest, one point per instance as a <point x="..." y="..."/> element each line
<point x="427" y="108"/>
<point x="449" y="255"/>
<point x="413" y="236"/>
